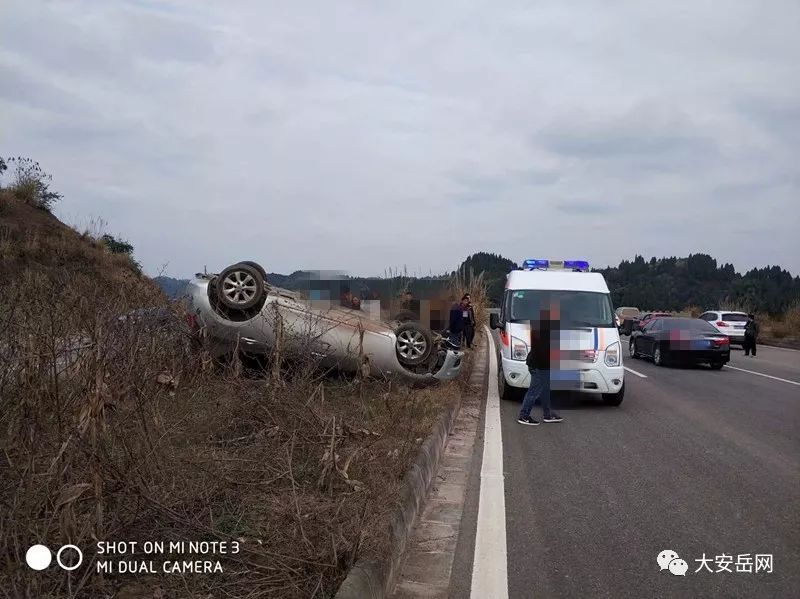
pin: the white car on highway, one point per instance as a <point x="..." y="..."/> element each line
<point x="590" y="354"/>
<point x="728" y="322"/>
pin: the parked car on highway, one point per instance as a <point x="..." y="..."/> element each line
<point x="645" y="317"/>
<point x="678" y="339"/>
<point x="729" y="322"/>
<point x="626" y="317"/>
<point x="236" y="310"/>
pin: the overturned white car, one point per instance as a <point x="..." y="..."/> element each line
<point x="236" y="310"/>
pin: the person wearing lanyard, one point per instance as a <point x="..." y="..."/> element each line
<point x="468" y="316"/>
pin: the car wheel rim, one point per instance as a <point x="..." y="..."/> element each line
<point x="632" y="349"/>
<point x="239" y="287"/>
<point x="657" y="356"/>
<point x="411" y="344"/>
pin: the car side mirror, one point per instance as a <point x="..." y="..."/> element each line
<point x="494" y="321"/>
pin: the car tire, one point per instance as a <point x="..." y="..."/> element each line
<point x="614" y="399"/>
<point x="240" y="287"/>
<point x="632" y="349"/>
<point x="717" y="365"/>
<point x="659" y="359"/>
<point x="257" y="266"/>
<point x="506" y="391"/>
<point x="414" y="343"/>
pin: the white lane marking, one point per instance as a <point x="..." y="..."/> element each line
<point x="490" y="563"/>
<point x="632" y="371"/>
<point x="769" y="376"/>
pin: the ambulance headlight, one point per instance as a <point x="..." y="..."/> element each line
<point x="519" y="349"/>
<point x="613" y="354"/>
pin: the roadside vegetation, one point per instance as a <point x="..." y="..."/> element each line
<point x="125" y="429"/>
<point x="29" y="183"/>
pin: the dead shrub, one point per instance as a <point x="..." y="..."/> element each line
<point x="31" y="184"/>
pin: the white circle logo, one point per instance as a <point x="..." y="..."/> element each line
<point x="69" y="568"/>
<point x="38" y="557"/>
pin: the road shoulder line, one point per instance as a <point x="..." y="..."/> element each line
<point x="490" y="564"/>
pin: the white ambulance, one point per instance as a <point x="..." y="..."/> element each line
<point x="590" y="354"/>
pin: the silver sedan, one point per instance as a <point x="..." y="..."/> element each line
<point x="236" y="310"/>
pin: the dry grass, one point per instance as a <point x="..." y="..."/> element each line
<point x="785" y="328"/>
<point x="117" y="430"/>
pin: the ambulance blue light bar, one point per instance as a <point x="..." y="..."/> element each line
<point x="541" y="264"/>
<point x="534" y="264"/>
<point x="576" y="264"/>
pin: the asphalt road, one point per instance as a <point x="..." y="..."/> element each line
<point x="694" y="460"/>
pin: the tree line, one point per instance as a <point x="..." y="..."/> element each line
<point x="672" y="283"/>
<point x="698" y="280"/>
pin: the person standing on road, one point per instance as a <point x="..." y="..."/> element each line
<point x="544" y="349"/>
<point x="750" y="335"/>
<point x="468" y="316"/>
<point x="457" y="321"/>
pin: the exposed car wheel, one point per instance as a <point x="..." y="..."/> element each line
<point x="717" y="365"/>
<point x="614" y="399"/>
<point x="658" y="357"/>
<point x="634" y="353"/>
<point x="240" y="287"/>
<point x="257" y="266"/>
<point x="414" y="344"/>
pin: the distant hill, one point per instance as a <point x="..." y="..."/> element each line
<point x="172" y="288"/>
<point x="495" y="268"/>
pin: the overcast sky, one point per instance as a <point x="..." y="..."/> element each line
<point x="366" y="135"/>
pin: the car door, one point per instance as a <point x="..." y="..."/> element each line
<point x="648" y="337"/>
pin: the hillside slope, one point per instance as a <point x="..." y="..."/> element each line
<point x="38" y="252"/>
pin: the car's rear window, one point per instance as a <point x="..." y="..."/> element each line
<point x="629" y="311"/>
<point x="731" y="317"/>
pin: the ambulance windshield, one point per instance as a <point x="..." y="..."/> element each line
<point x="576" y="308"/>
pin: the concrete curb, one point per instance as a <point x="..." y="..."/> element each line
<point x="374" y="579"/>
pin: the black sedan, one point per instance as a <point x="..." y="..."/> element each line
<point x="687" y="340"/>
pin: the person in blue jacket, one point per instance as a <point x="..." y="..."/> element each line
<point x="457" y="320"/>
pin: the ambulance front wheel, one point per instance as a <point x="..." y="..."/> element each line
<point x="506" y="391"/>
<point x="614" y="399"/>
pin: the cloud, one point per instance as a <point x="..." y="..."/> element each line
<point x="651" y="135"/>
<point x="587" y="208"/>
<point x="364" y="136"/>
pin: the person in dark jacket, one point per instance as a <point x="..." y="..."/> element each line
<point x="751" y="329"/>
<point x="468" y="316"/>
<point x="544" y="349"/>
<point x="457" y="321"/>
